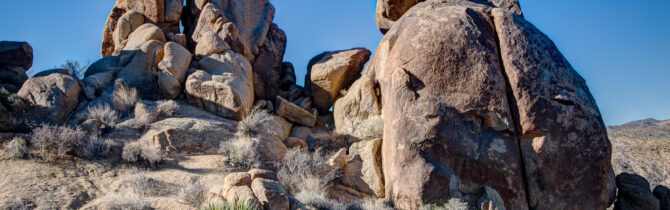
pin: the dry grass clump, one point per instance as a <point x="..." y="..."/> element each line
<point x="250" y="125"/>
<point x="60" y="140"/>
<point x="304" y="172"/>
<point x="123" y="201"/>
<point x="228" y="206"/>
<point x="193" y="194"/>
<point x="140" y="184"/>
<point x="103" y="113"/>
<point x="452" y="204"/>
<point x="17" y="147"/>
<point x="142" y="151"/>
<point x="124" y="98"/>
<point x="239" y="152"/>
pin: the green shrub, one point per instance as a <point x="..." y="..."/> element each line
<point x="229" y="206"/>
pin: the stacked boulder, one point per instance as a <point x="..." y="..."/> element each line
<point x="257" y="186"/>
<point x="478" y="101"/>
<point x="15" y="59"/>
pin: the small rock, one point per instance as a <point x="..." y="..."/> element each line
<point x="270" y="194"/>
<point x="294" y="113"/>
<point x="261" y="173"/>
<point x="339" y="159"/>
<point x="295" y="143"/>
<point x="634" y="193"/>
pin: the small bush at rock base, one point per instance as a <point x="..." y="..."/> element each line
<point x="452" y="204"/>
<point x="142" y="151"/>
<point x="17" y="147"/>
<point x="193" y="194"/>
<point x="249" y="125"/>
<point x="304" y="171"/>
<point x="105" y="114"/>
<point x="123" y="201"/>
<point x="124" y="98"/>
<point x="167" y="108"/>
<point x="60" y="140"/>
<point x="229" y="206"/>
<point x="239" y="152"/>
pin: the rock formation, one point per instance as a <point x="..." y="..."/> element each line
<point x="15" y="59"/>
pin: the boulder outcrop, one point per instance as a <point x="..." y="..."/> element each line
<point x="359" y="104"/>
<point x="634" y="193"/>
<point x="51" y="97"/>
<point x="330" y="72"/>
<point x="15" y="59"/>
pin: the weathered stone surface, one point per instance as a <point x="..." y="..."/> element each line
<point x="237" y="179"/>
<point x="294" y="113"/>
<point x="261" y="173"/>
<point x="339" y="159"/>
<point x="389" y="11"/>
<point x="634" y="193"/>
<point x="224" y="85"/>
<point x="128" y="23"/>
<point x="559" y="120"/>
<point x="13" y="76"/>
<point x="445" y="109"/>
<point x="330" y="72"/>
<point x="360" y="103"/>
<point x="52" y="97"/>
<point x="175" y="64"/>
<point x="363" y="170"/>
<point x="143" y="34"/>
<point x="139" y="68"/>
<point x="240" y="194"/>
<point x="16" y="54"/>
<point x="287" y="76"/>
<point x="295" y="143"/>
<point x="210" y="43"/>
<point x="106" y="64"/>
<point x="270" y="148"/>
<point x="187" y="135"/>
<point x="268" y="64"/>
<point x="270" y="194"/>
<point x="162" y="13"/>
<point x="663" y="194"/>
<point x="326" y="140"/>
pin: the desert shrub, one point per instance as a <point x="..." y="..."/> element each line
<point x="124" y="98"/>
<point x="451" y="204"/>
<point x="374" y="205"/>
<point x="140" y="184"/>
<point x="228" y="206"/>
<point x="371" y="128"/>
<point x="249" y="125"/>
<point x="302" y="171"/>
<point x="97" y="147"/>
<point x="105" y="114"/>
<point x="193" y="194"/>
<point x="75" y="68"/>
<point x="17" y="147"/>
<point x="318" y="200"/>
<point x="12" y="108"/>
<point x="60" y="140"/>
<point x="142" y="151"/>
<point x="123" y="201"/>
<point x="167" y="108"/>
<point x="239" y="152"/>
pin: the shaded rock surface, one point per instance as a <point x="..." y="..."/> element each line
<point x="634" y="193"/>
<point x="330" y="72"/>
<point x="51" y="97"/>
<point x="15" y="59"/>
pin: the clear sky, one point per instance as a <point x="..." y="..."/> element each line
<point x="620" y="47"/>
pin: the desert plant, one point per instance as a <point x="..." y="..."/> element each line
<point x="60" y="140"/>
<point x="167" y="108"/>
<point x="12" y="108"/>
<point x="124" y="98"/>
<point x="228" y="206"/>
<point x="140" y="184"/>
<point x="17" y="147"/>
<point x="97" y="147"/>
<point x="302" y="171"/>
<point x="75" y="68"/>
<point x="105" y="114"/>
<point x="142" y="151"/>
<point x="249" y="126"/>
<point x="193" y="194"/>
<point x="123" y="201"/>
<point x="239" y="152"/>
<point x="451" y="204"/>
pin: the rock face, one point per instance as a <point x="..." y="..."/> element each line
<point x="634" y="193"/>
<point x="360" y="103"/>
<point x="462" y="115"/>
<point x="139" y="67"/>
<point x="175" y="64"/>
<point x="295" y="114"/>
<point x="223" y="85"/>
<point x="330" y="72"/>
<point x="559" y="120"/>
<point x="52" y="97"/>
<point x="15" y="59"/>
<point x="363" y="170"/>
<point x="127" y="15"/>
<point x="268" y="64"/>
<point x="189" y="135"/>
<point x="446" y="114"/>
<point x="270" y="194"/>
<point x="389" y="11"/>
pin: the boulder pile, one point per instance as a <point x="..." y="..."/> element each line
<point x="462" y="99"/>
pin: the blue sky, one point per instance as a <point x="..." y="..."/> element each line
<point x="620" y="47"/>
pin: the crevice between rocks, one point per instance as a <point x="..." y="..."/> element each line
<point x="514" y="109"/>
